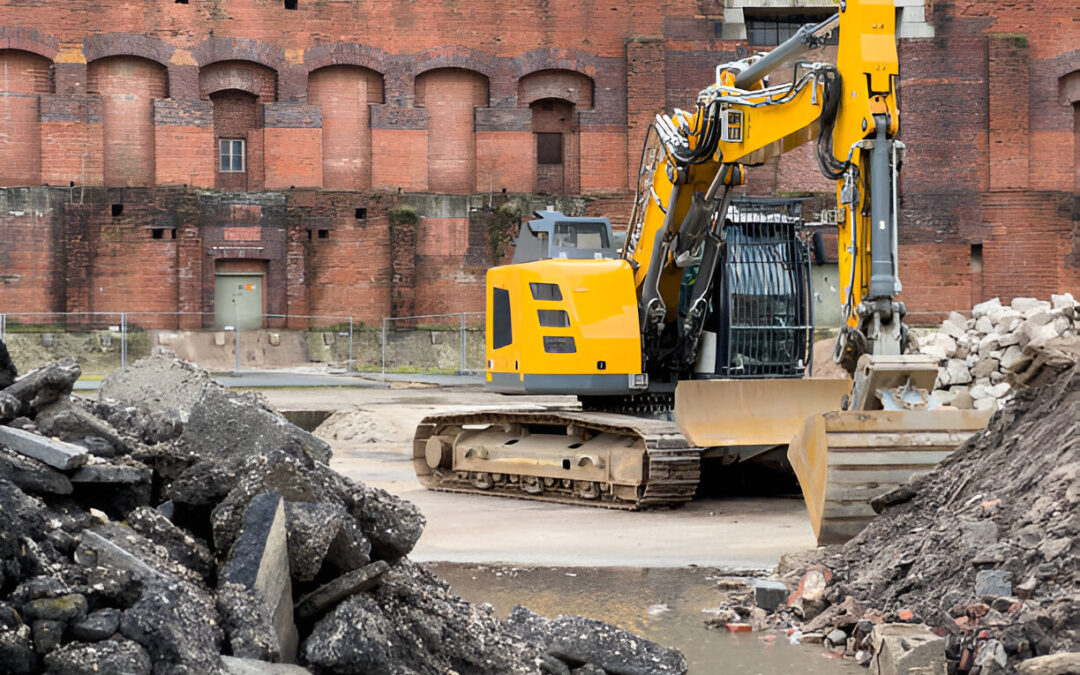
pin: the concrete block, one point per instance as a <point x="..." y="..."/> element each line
<point x="768" y="595"/>
<point x="32" y="475"/>
<point x="260" y="560"/>
<point x="57" y="454"/>
<point x="993" y="582"/>
<point x="984" y="308"/>
<point x="327" y="596"/>
<point x="907" y="649"/>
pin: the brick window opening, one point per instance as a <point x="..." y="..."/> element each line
<point x="769" y="30"/>
<point x="324" y="234"/>
<point x="309" y="235"/>
<point x="158" y="233"/>
<point x="231" y="155"/>
<point x="549" y="147"/>
<point x="361" y="212"/>
<point x="290" y="4"/>
<point x="117" y="210"/>
<point x="181" y="2"/>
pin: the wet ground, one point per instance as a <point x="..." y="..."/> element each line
<point x="668" y="605"/>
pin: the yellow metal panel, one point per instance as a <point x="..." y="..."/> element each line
<point x="599" y="298"/>
<point x="752" y="412"/>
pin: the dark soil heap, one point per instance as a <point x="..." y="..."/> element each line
<point x="984" y="548"/>
<point x="178" y="528"/>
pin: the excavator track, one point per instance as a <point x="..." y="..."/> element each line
<point x="606" y="460"/>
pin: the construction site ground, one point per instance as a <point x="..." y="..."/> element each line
<point x="371" y="435"/>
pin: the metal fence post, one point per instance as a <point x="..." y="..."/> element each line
<point x="384" y="348"/>
<point x="463" y="364"/>
<point x="349" y="366"/>
<point x="3" y="326"/>
<point x="123" y="341"/>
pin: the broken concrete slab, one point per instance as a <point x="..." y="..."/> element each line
<point x="245" y="618"/>
<point x="906" y="648"/>
<point x="581" y="640"/>
<point x="159" y="382"/>
<point x="319" y="530"/>
<point x="97" y="626"/>
<point x="176" y="623"/>
<point x="327" y="596"/>
<point x="238" y="666"/>
<point x="98" y="470"/>
<point x="181" y="546"/>
<point x="117" y="545"/>
<point x="57" y="454"/>
<point x="32" y="475"/>
<point x="67" y="420"/>
<point x="223" y="424"/>
<point x="42" y="386"/>
<point x="260" y="560"/>
<point x="17" y="652"/>
<point x="118" y="655"/>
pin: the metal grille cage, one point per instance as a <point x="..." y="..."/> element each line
<point x="764" y="320"/>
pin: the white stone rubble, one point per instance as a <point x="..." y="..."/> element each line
<point x="975" y="354"/>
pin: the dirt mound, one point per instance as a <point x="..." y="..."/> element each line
<point x="984" y="548"/>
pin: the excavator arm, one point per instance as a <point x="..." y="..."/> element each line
<point x="692" y="161"/>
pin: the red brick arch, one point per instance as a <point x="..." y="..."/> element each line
<point x="565" y="85"/>
<point x="246" y="76"/>
<point x="127" y="86"/>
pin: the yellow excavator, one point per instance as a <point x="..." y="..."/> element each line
<point x="706" y="310"/>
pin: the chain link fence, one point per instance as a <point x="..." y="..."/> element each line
<point x="104" y="341"/>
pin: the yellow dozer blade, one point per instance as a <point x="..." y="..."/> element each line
<point x="842" y="459"/>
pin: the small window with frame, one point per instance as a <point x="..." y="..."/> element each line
<point x="231" y="155"/>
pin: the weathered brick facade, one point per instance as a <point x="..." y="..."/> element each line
<point x="348" y="112"/>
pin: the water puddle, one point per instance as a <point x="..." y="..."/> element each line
<point x="668" y="605"/>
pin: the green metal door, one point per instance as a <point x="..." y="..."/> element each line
<point x="238" y="301"/>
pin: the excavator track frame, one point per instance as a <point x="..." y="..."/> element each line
<point x="670" y="467"/>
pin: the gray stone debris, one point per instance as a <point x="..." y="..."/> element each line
<point x="245" y="618"/>
<point x="111" y="656"/>
<point x="325" y="597"/>
<point x="176" y="623"/>
<point x="319" y="530"/>
<point x="982" y="352"/>
<point x="223" y="424"/>
<point x="259" y="560"/>
<point x="993" y="583"/>
<point x="32" y="475"/>
<point x="57" y="454"/>
<point x="99" y="625"/>
<point x="189" y="484"/>
<point x="1053" y="664"/>
<point x="181" y="546"/>
<point x="768" y="594"/>
<point x="903" y="648"/>
<point x="161" y="382"/>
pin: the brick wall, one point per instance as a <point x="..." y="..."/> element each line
<point x="23" y="77"/>
<point x="451" y="96"/>
<point x="127" y="87"/>
<point x="340" y="109"/>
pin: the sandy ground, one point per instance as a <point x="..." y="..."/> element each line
<point x="371" y="435"/>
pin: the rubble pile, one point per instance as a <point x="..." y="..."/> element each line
<point x="974" y="355"/>
<point x="972" y="567"/>
<point x="174" y="527"/>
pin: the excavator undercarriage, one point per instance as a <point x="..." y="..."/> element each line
<point x="565" y="456"/>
